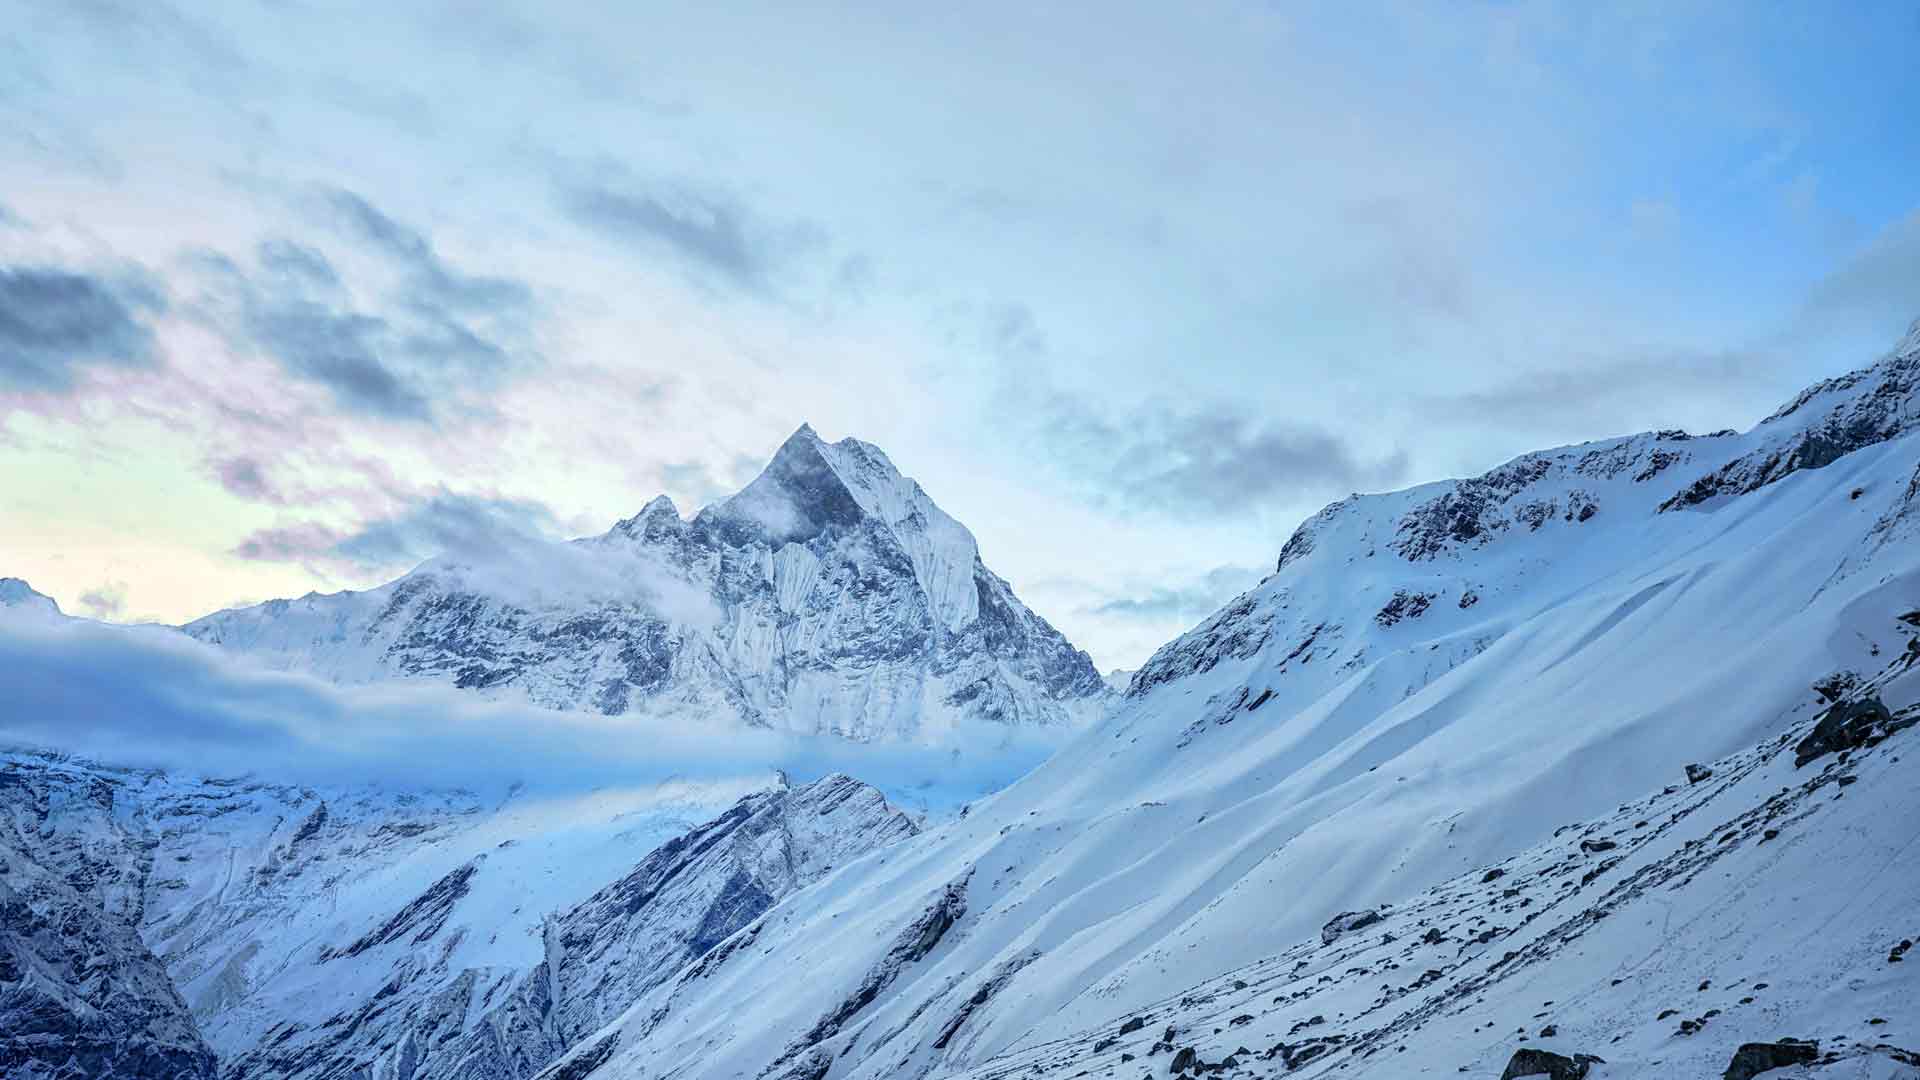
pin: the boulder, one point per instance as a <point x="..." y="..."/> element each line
<point x="1845" y="725"/>
<point x="1346" y="922"/>
<point x="1530" y="1062"/>
<point x="1752" y="1059"/>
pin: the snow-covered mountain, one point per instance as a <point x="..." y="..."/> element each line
<point x="828" y="596"/>
<point x="155" y="924"/>
<point x="1599" y="764"/>
<point x="1487" y="765"/>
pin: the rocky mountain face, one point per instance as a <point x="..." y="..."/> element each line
<point x="163" y="927"/>
<point x="1538" y="761"/>
<point x="81" y="995"/>
<point x="829" y="596"/>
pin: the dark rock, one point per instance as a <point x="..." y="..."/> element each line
<point x="1845" y="725"/>
<point x="1346" y="922"/>
<point x="1183" y="1060"/>
<point x="1404" y="605"/>
<point x="1752" y="1059"/>
<point x="1593" y="847"/>
<point x="1531" y="1062"/>
<point x="1494" y="874"/>
<point x="1697" y="773"/>
<point x="1133" y="1025"/>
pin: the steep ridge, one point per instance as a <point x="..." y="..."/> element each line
<point x="353" y="933"/>
<point x="1431" y="682"/>
<point x="828" y="596"/>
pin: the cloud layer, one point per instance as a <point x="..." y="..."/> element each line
<point x="151" y="696"/>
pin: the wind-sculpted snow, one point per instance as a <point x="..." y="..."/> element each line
<point x="829" y="596"/>
<point x="1431" y="684"/>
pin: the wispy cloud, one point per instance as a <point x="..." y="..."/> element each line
<point x="443" y="523"/>
<point x="1209" y="459"/>
<point x="409" y="349"/>
<point x="105" y="601"/>
<point x="55" y="323"/>
<point x="1187" y="600"/>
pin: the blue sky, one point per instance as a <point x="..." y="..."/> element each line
<point x="291" y="293"/>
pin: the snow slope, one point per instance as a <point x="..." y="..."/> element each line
<point x="1432" y="682"/>
<point x="829" y="596"/>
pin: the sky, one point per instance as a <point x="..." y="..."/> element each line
<point x="294" y="295"/>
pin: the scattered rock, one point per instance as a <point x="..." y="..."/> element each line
<point x="1593" y="847"/>
<point x="1697" y="773"/>
<point x="1899" y="951"/>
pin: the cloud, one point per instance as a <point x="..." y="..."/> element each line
<point x="462" y="525"/>
<point x="467" y="527"/>
<point x="246" y="477"/>
<point x="1600" y="395"/>
<point x="405" y="349"/>
<point x="1184" y="601"/>
<point x="498" y="547"/>
<point x="708" y="231"/>
<point x="107" y="601"/>
<point x="432" y="284"/>
<point x="1212" y="459"/>
<point x="1878" y="288"/>
<point x="152" y="696"/>
<point x="55" y="322"/>
<point x="307" y="542"/>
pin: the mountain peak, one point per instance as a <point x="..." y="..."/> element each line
<point x="799" y="495"/>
